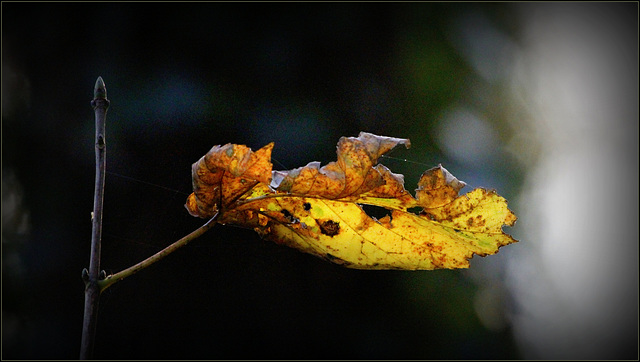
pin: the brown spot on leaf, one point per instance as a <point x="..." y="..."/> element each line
<point x="329" y="227"/>
<point x="385" y="221"/>
<point x="477" y="221"/>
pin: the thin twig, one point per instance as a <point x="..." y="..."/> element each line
<point x="111" y="279"/>
<point x="100" y="104"/>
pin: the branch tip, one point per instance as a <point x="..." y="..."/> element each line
<point x="100" y="90"/>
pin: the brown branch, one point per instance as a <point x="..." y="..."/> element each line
<point x="111" y="279"/>
<point x="100" y="104"/>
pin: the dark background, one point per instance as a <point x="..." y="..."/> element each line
<point x="183" y="77"/>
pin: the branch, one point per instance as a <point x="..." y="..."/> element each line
<point x="94" y="280"/>
<point x="100" y="104"/>
<point x="113" y="278"/>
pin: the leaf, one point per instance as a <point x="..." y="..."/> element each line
<point x="318" y="210"/>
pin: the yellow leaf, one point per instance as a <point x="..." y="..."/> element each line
<point x="318" y="209"/>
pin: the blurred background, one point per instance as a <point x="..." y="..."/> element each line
<point x="538" y="101"/>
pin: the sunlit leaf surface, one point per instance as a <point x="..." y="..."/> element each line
<point x="319" y="210"/>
